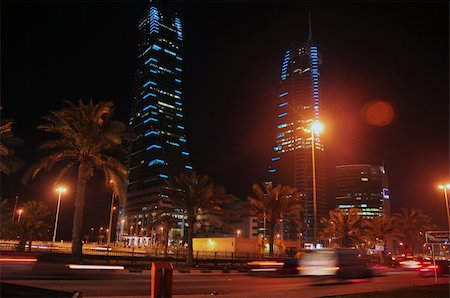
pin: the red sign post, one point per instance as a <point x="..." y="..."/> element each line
<point x="162" y="280"/>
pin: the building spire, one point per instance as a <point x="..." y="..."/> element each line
<point x="310" y="39"/>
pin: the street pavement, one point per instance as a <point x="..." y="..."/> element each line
<point x="203" y="284"/>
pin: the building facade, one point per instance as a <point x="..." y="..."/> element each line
<point x="365" y="187"/>
<point x="159" y="149"/>
<point x="298" y="109"/>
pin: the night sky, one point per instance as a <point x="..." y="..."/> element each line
<point x="232" y="54"/>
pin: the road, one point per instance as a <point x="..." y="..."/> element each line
<point x="121" y="283"/>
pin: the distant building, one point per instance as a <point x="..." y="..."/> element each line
<point x="363" y="186"/>
<point x="298" y="108"/>
<point x="159" y="150"/>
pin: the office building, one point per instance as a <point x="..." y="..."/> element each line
<point x="365" y="187"/>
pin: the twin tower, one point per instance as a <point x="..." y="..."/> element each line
<point x="159" y="150"/>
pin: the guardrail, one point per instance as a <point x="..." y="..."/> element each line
<point x="119" y="250"/>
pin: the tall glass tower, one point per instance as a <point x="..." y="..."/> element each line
<point x="159" y="149"/>
<point x="298" y="108"/>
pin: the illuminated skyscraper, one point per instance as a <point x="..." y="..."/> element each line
<point x="298" y="108"/>
<point x="159" y="149"/>
<point x="363" y="186"/>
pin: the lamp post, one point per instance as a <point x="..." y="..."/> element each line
<point x="264" y="223"/>
<point x="315" y="128"/>
<point x="445" y="187"/>
<point x="15" y="207"/>
<point x="20" y="214"/>
<point x="238" y="233"/>
<point x="108" y="236"/>
<point x="60" y="190"/>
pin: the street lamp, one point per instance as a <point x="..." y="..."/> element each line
<point x="315" y="128"/>
<point x="238" y="233"/>
<point x="60" y="190"/>
<point x="20" y="214"/>
<point x="445" y="187"/>
<point x="108" y="239"/>
<point x="15" y="207"/>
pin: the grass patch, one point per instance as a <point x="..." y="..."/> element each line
<point x="431" y="291"/>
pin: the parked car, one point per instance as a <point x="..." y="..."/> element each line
<point x="342" y="263"/>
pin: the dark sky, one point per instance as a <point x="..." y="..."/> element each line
<point x="233" y="52"/>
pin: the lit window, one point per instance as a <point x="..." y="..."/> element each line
<point x="149" y="94"/>
<point x="154" y="146"/>
<point x="150" y="119"/>
<point x="156" y="162"/>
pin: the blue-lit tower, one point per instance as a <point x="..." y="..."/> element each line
<point x="159" y="149"/>
<point x="298" y="108"/>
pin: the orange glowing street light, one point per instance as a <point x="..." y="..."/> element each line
<point x="20" y="214"/>
<point x="445" y="187"/>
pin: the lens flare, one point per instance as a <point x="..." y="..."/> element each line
<point x="378" y="113"/>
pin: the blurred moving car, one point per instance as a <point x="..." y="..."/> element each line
<point x="342" y="263"/>
<point x="410" y="263"/>
<point x="274" y="266"/>
<point x="427" y="267"/>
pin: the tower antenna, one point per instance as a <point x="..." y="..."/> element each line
<point x="310" y="29"/>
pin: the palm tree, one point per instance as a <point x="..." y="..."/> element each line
<point x="344" y="227"/>
<point x="167" y="222"/>
<point x="412" y="222"/>
<point x="197" y="197"/>
<point x="87" y="137"/>
<point x="273" y="203"/>
<point x="382" y="228"/>
<point x="32" y="225"/>
<point x="8" y="227"/>
<point x="9" y="162"/>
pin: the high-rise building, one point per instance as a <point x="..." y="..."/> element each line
<point x="159" y="149"/>
<point x="363" y="186"/>
<point x="298" y="109"/>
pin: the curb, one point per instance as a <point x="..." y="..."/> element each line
<point x="194" y="271"/>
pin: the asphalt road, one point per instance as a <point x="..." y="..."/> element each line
<point x="121" y="283"/>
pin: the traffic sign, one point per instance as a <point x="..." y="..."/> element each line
<point x="437" y="237"/>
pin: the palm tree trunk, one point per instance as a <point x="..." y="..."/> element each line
<point x="190" y="254"/>
<point x="22" y="241"/>
<point x="271" y="231"/>
<point x="77" y="245"/>
<point x="166" y="242"/>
